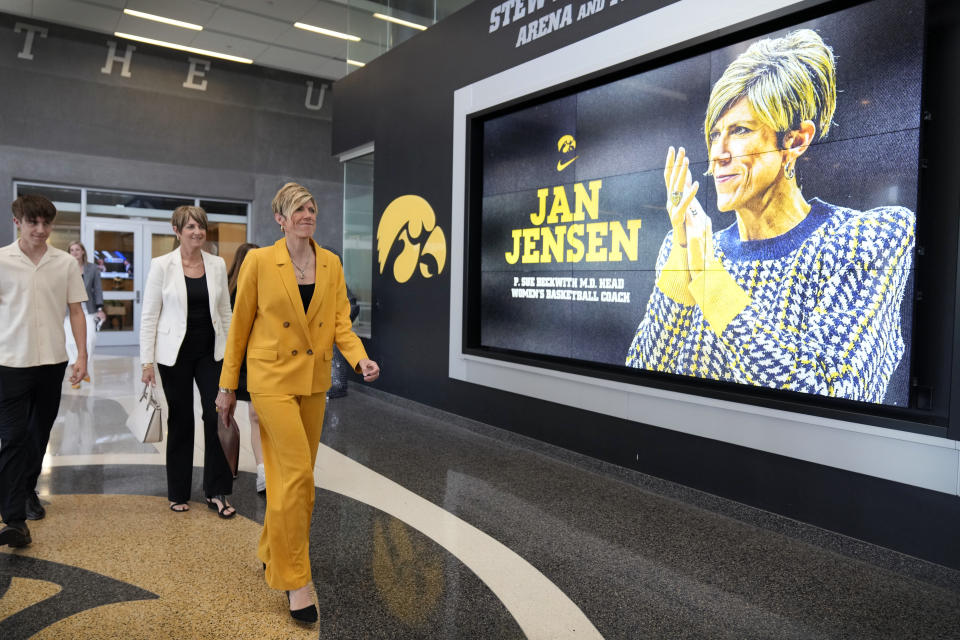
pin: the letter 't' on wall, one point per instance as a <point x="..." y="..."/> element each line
<point x="410" y="220"/>
<point x="32" y="30"/>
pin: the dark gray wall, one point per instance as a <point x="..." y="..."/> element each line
<point x="403" y="103"/>
<point x="63" y="120"/>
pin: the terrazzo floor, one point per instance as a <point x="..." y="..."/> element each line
<point x="427" y="525"/>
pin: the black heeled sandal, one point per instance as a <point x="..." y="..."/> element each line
<point x="222" y="507"/>
<point x="307" y="615"/>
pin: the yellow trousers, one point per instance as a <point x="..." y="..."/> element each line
<point x="290" y="429"/>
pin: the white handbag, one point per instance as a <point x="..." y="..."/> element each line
<point x="146" y="421"/>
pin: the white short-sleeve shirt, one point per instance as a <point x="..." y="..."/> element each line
<point x="33" y="299"/>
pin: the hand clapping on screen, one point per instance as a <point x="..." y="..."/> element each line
<point x="680" y="193"/>
<point x="691" y="227"/>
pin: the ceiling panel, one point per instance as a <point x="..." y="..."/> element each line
<point x="287" y="10"/>
<point x="333" y="69"/>
<point x="313" y="43"/>
<point x="233" y="45"/>
<point x="415" y="10"/>
<point x="17" y="7"/>
<point x="330" y="16"/>
<point x="311" y="65"/>
<point x="258" y="29"/>
<point x="247" y="25"/>
<point x="357" y="22"/>
<point x="363" y="52"/>
<point x="195" y="11"/>
<point x="78" y="14"/>
<point x="155" y="30"/>
<point x="367" y="27"/>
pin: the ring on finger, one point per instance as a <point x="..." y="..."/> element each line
<point x="675" y="197"/>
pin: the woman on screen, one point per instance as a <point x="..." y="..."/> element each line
<point x="797" y="294"/>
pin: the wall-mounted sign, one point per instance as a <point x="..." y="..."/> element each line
<point x="410" y="221"/>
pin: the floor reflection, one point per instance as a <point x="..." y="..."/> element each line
<point x="429" y="526"/>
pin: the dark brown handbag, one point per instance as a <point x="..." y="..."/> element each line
<point x="229" y="435"/>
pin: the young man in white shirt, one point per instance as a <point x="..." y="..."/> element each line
<point x="37" y="282"/>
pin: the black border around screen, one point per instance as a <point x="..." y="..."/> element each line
<point x="932" y="365"/>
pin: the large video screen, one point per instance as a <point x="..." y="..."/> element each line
<point x="745" y="215"/>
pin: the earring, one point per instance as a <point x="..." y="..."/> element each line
<point x="788" y="171"/>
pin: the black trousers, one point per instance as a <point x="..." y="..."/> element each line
<point x="193" y="365"/>
<point x="29" y="402"/>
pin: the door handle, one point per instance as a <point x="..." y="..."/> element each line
<point x="138" y="296"/>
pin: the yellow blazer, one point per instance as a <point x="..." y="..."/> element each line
<point x="288" y="351"/>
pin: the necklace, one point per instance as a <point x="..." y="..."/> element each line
<point x="302" y="274"/>
<point x="191" y="266"/>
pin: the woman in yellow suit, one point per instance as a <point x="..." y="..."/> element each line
<point x="291" y="308"/>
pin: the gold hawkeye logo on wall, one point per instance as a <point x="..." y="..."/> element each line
<point x="410" y="220"/>
<point x="566" y="144"/>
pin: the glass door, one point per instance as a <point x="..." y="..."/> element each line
<point x="121" y="250"/>
<point x="158" y="240"/>
<point x="114" y="246"/>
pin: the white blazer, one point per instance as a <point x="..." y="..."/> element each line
<point x="163" y="319"/>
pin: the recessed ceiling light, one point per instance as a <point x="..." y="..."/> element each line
<point x="150" y="16"/>
<point x="406" y="23"/>
<point x="326" y="32"/>
<point x="180" y="47"/>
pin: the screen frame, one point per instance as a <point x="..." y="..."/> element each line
<point x="909" y="457"/>
<point x="934" y="421"/>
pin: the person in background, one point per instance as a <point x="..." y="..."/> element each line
<point x="183" y="331"/>
<point x="291" y="308"/>
<point x="242" y="393"/>
<point x="37" y="282"/>
<point x="338" y="377"/>
<point x="93" y="309"/>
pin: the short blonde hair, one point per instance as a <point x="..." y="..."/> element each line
<point x="291" y="197"/>
<point x="183" y="214"/>
<point x="785" y="80"/>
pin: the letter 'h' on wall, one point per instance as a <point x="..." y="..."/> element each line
<point x="112" y="57"/>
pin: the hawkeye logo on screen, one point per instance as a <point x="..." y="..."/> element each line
<point x="565" y="233"/>
<point x="566" y="145"/>
<point x="411" y="221"/>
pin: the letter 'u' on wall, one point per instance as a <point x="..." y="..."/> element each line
<point x="317" y="104"/>
<point x="410" y="221"/>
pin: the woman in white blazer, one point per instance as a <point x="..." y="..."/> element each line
<point x="183" y="331"/>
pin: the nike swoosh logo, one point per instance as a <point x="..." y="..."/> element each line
<point x="563" y="165"/>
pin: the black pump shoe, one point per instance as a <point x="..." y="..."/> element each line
<point x="307" y="615"/>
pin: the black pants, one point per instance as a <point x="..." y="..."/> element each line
<point x="193" y="365"/>
<point x="29" y="402"/>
